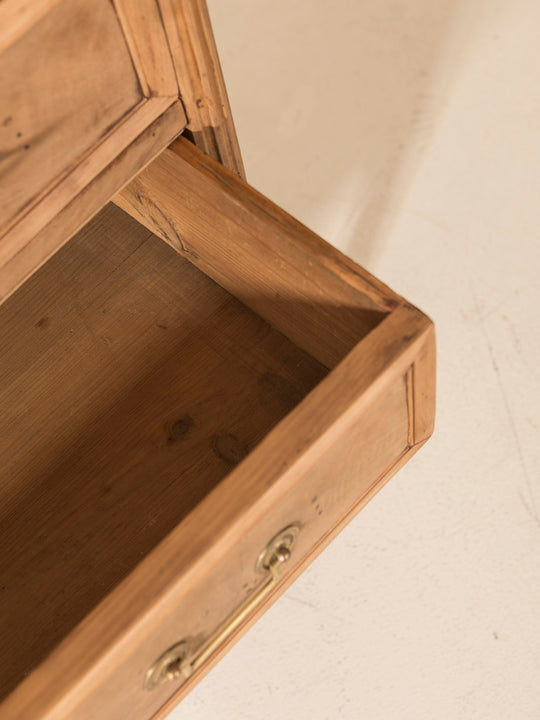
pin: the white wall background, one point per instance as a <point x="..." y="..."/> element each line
<point x="407" y="132"/>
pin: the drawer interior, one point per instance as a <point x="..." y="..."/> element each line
<point x="131" y="384"/>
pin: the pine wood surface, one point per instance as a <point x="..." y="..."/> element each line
<point x="120" y="363"/>
<point x="201" y="82"/>
<point x="23" y="252"/>
<point x="90" y="93"/>
<point x="166" y="410"/>
<point x="56" y="100"/>
<point x="317" y="466"/>
<point x="195" y="205"/>
<point x="85" y="84"/>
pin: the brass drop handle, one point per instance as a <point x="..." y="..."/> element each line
<point x="174" y="662"/>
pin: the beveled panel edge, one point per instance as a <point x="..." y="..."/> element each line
<point x="36" y="239"/>
<point x="149" y="47"/>
<point x="200" y="78"/>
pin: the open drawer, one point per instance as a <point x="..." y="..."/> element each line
<point x="183" y="429"/>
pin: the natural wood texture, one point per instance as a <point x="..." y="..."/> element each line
<point x="18" y="16"/>
<point x="164" y="413"/>
<point x="184" y="588"/>
<point x="326" y="492"/>
<point x="289" y="579"/>
<point x="81" y="82"/>
<point x="423" y="385"/>
<point x="198" y="207"/>
<point x="18" y="263"/>
<point x="56" y="99"/>
<point x="84" y="84"/>
<point x="317" y="466"/>
<point x="147" y="40"/>
<point x="175" y="380"/>
<point x="354" y="460"/>
<point x="201" y="81"/>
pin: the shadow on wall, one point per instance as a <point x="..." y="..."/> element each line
<point x="334" y="110"/>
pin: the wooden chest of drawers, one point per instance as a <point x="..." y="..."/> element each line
<point x="185" y="424"/>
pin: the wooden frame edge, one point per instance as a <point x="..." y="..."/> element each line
<point x="424" y="388"/>
<point x="200" y="78"/>
<point x="146" y="38"/>
<point x="20" y="265"/>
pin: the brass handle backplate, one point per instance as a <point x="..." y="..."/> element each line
<point x="175" y="662"/>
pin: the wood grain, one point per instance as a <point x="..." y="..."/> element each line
<point x="258" y="252"/>
<point x="202" y="87"/>
<point x="172" y="46"/>
<point x="424" y="389"/>
<point x="186" y="575"/>
<point x="82" y="82"/>
<point x="316" y="461"/>
<point x="27" y="249"/>
<point x="146" y="38"/>
<point x="175" y="381"/>
<point x="62" y="89"/>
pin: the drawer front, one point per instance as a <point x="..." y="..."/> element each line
<point x="80" y="84"/>
<point x="200" y="624"/>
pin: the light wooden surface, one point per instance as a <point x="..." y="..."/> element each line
<point x="350" y="469"/>
<point x="186" y="380"/>
<point x="17" y="263"/>
<point x="146" y="37"/>
<point x="201" y="81"/>
<point x="57" y="102"/>
<point x="81" y="85"/>
<point x="168" y="410"/>
<point x="188" y="200"/>
<point x="84" y="85"/>
<point x="362" y="412"/>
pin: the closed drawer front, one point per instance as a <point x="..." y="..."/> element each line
<point x="312" y="383"/>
